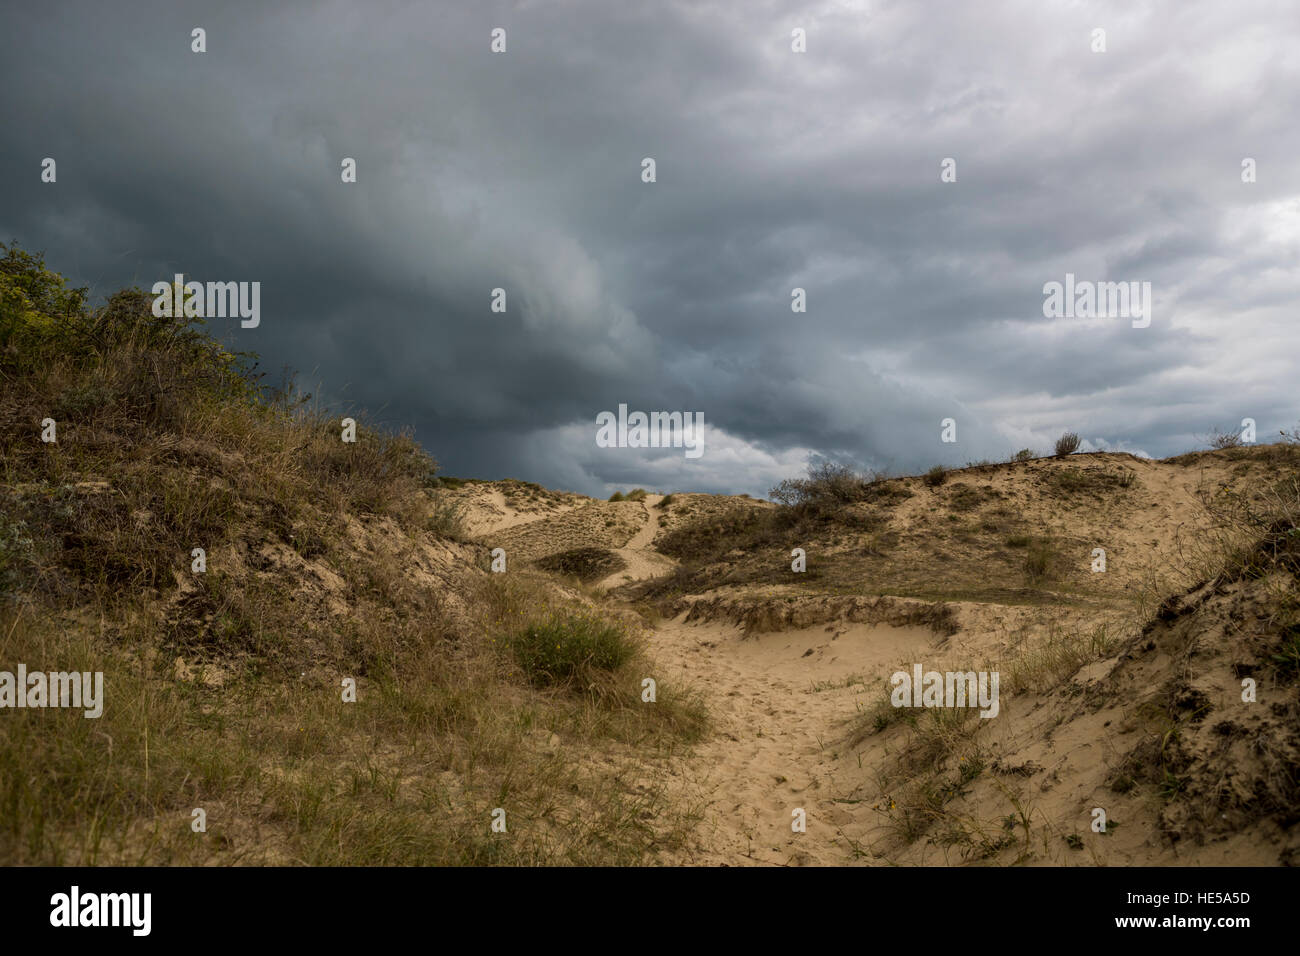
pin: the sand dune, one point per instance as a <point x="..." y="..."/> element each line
<point x="795" y="670"/>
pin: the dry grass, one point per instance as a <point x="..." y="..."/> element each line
<point x="1067" y="444"/>
<point x="326" y="560"/>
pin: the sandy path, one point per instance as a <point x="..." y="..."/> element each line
<point x="782" y="704"/>
<point x="642" y="560"/>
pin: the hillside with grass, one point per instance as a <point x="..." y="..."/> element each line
<point x="323" y="561"/>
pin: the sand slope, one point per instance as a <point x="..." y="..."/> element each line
<point x="1094" y="710"/>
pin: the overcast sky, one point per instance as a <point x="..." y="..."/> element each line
<point x="775" y="169"/>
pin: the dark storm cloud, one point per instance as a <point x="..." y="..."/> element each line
<point x="775" y="170"/>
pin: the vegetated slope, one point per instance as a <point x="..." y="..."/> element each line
<point x="989" y="532"/>
<point x="321" y="562"/>
<point x="1121" y="690"/>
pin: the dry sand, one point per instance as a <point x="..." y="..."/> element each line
<point x="787" y="674"/>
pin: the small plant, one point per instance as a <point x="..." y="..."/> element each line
<point x="1287" y="659"/>
<point x="617" y="496"/>
<point x="16" y="548"/>
<point x="965" y="498"/>
<point x="1171" y="785"/>
<point x="665" y="501"/>
<point x="1025" y="454"/>
<point x="1047" y="663"/>
<point x="1038" y="561"/>
<point x="636" y="494"/>
<point x="447" y="518"/>
<point x="936" y="476"/>
<point x="1067" y="444"/>
<point x="564" y="646"/>
<point x="1219" y="440"/>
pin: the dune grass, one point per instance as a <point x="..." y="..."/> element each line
<point x="326" y="562"/>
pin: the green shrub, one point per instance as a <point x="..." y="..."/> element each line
<point x="155" y="360"/>
<point x="35" y="304"/>
<point x="1039" y="560"/>
<point x="617" y="496"/>
<point x="965" y="498"/>
<point x="568" y="645"/>
<point x="447" y="518"/>
<point x="1025" y="454"/>
<point x="585" y="564"/>
<point x="936" y="476"/>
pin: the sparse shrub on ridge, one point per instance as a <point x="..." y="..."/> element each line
<point x="827" y="483"/>
<point x="1067" y="444"/>
<point x="1219" y="440"/>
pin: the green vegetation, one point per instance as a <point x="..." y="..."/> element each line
<point x="325" y="560"/>
<point x="563" y="648"/>
<point x="1041" y="559"/>
<point x="936" y="476"/>
<point x="585" y="564"/>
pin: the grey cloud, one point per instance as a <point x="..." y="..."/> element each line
<point x="819" y="170"/>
